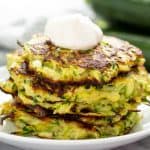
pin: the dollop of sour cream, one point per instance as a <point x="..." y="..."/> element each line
<point x="74" y="32"/>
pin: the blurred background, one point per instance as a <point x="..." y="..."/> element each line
<point x="126" y="19"/>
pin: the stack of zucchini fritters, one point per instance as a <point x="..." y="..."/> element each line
<point x="65" y="94"/>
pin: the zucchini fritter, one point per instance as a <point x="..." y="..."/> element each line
<point x="97" y="66"/>
<point x="58" y="128"/>
<point x="64" y="94"/>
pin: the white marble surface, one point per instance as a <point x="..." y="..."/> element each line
<point x="140" y="145"/>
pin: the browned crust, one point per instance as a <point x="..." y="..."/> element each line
<point x="38" y="112"/>
<point x="99" y="57"/>
<point x="66" y="117"/>
<point x="102" y="57"/>
<point x="57" y="87"/>
<point x="43" y="112"/>
<point x="25" y="70"/>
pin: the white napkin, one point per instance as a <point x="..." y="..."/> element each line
<point x="20" y="22"/>
<point x="21" y="29"/>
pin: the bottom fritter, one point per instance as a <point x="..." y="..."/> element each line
<point x="29" y="124"/>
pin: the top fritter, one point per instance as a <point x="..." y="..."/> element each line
<point x="96" y="66"/>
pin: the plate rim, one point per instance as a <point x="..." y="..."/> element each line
<point x="30" y="140"/>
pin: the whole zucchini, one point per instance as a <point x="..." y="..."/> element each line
<point x="135" y="12"/>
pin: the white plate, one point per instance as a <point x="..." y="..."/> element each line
<point x="141" y="131"/>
